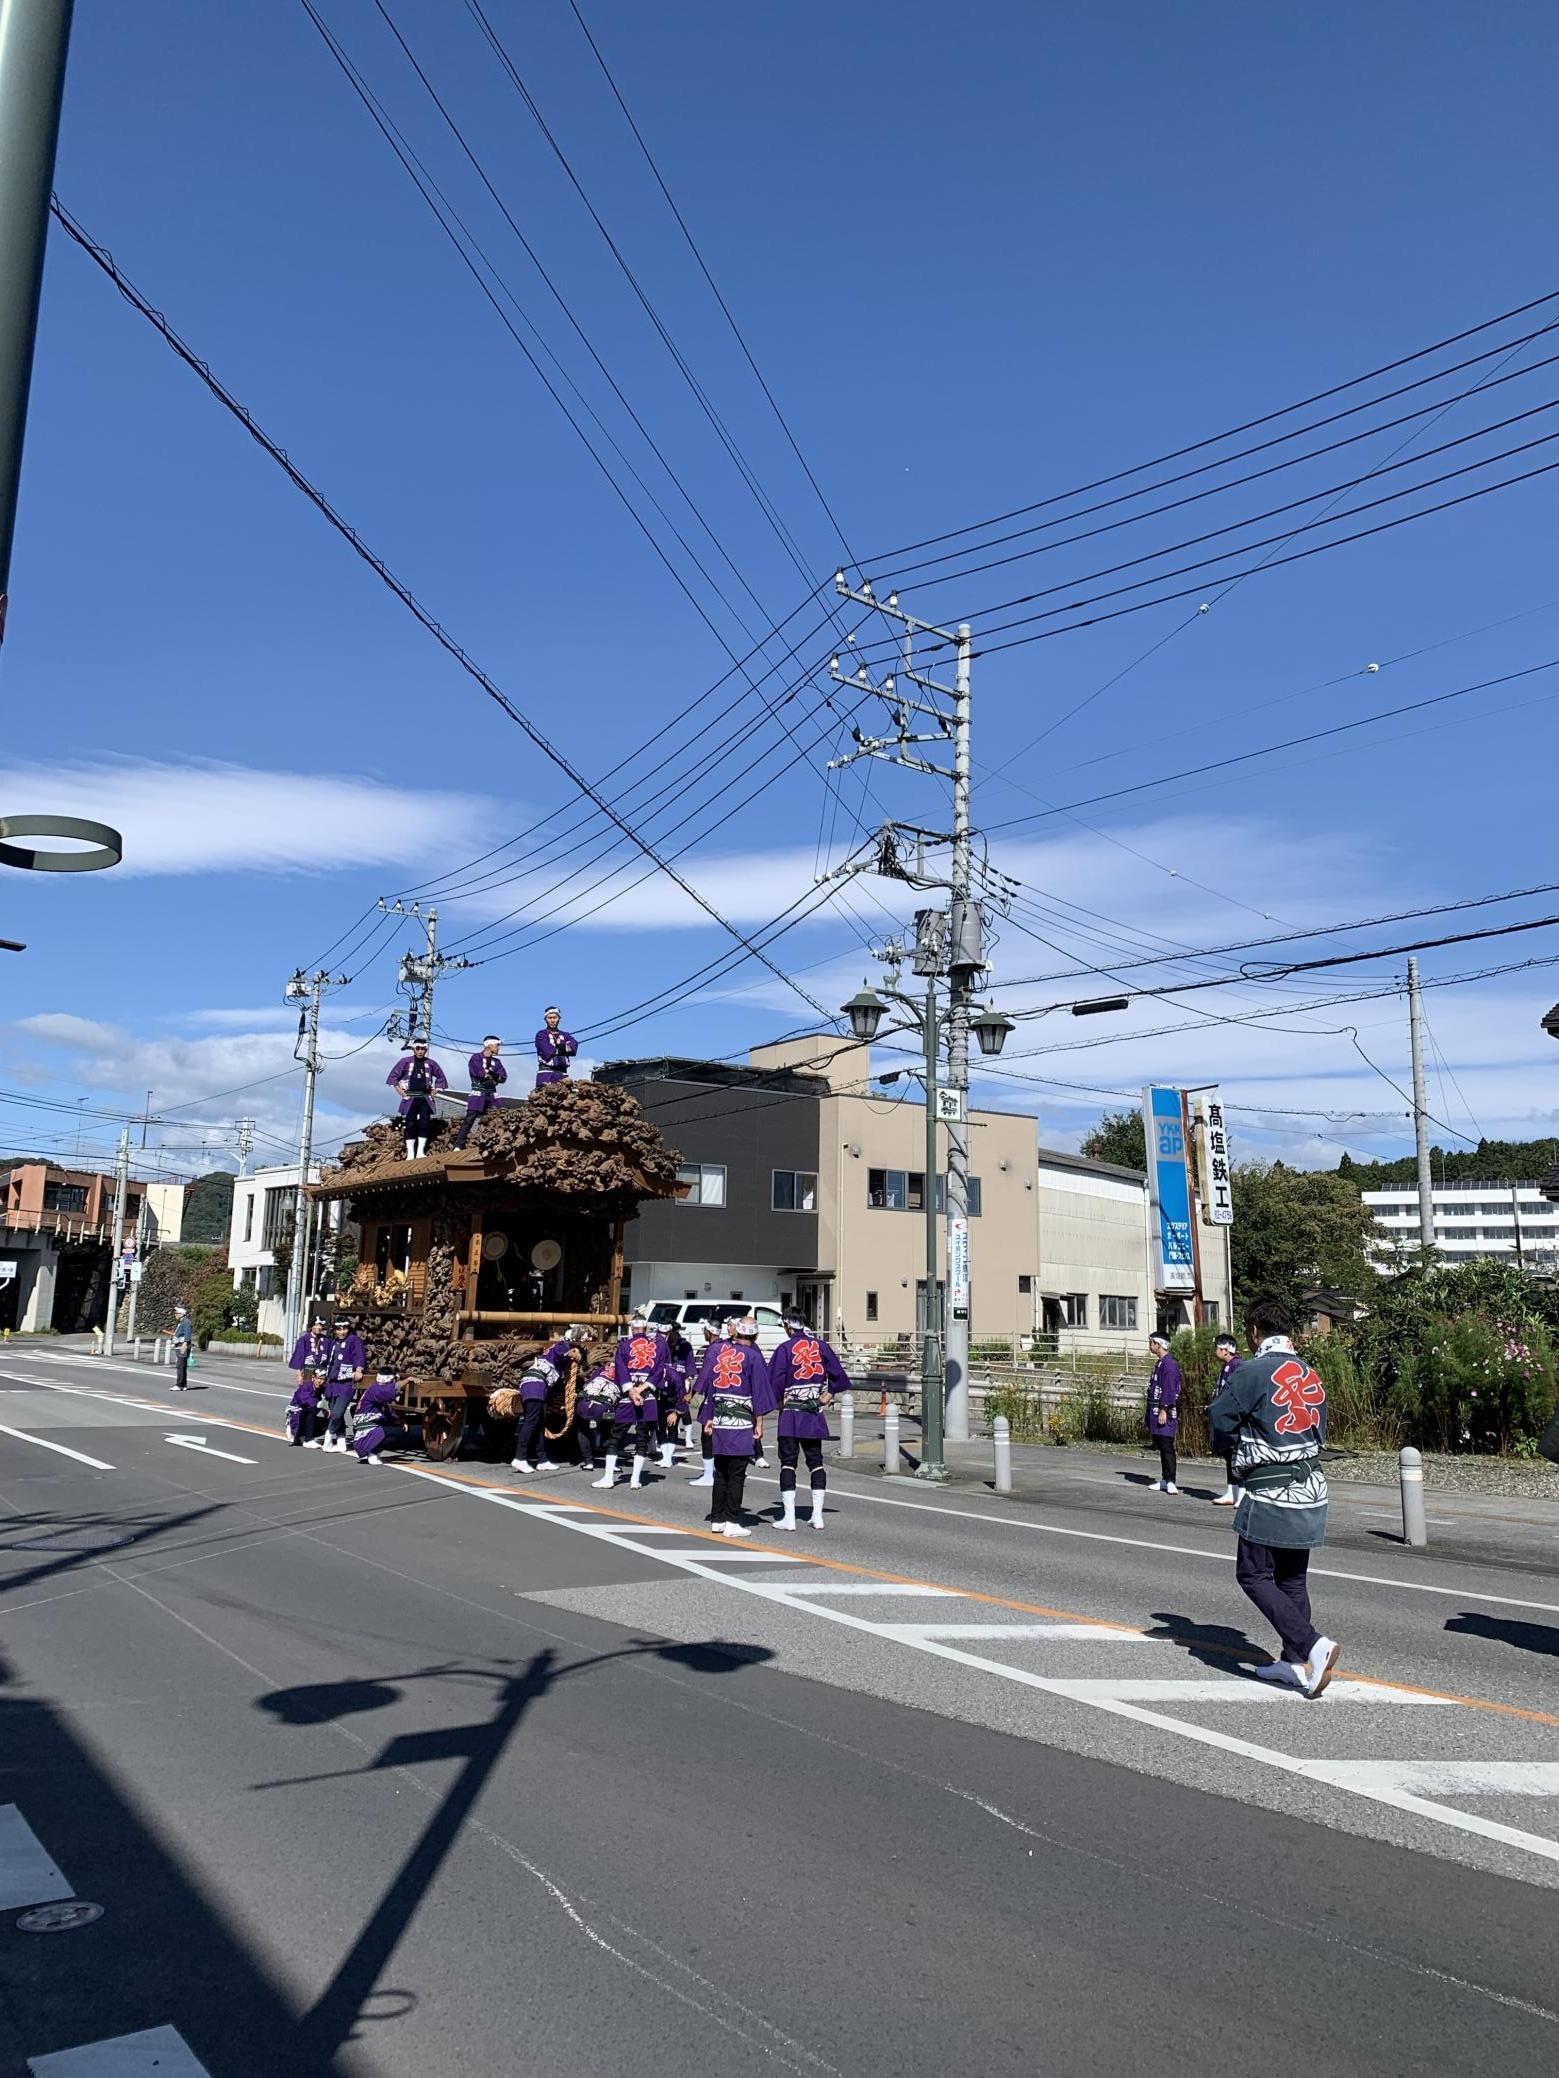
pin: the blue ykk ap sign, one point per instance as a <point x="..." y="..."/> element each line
<point x="1171" y="1139"/>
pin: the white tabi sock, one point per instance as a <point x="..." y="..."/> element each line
<point x="609" y="1476"/>
<point x="817" y="1506"/>
<point x="788" y="1510"/>
<point x="668" y="1456"/>
<point x="638" y="1470"/>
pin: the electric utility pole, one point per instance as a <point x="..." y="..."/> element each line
<point x="307" y="990"/>
<point x="1415" y="1025"/>
<point x="947" y="708"/>
<point x="419" y="972"/>
<point x="34" y="37"/>
<point x="121" y="1191"/>
<point x="245" y="1144"/>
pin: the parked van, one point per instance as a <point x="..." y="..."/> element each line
<point x="690" y="1314"/>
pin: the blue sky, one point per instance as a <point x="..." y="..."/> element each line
<point x="977" y="269"/>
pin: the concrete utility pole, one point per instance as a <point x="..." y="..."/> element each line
<point x="121" y="1191"/>
<point x="1415" y="1023"/>
<point x="419" y="972"/>
<point x="309" y="990"/>
<point x="948" y="709"/>
<point x="245" y="1144"/>
<point x="135" y="1282"/>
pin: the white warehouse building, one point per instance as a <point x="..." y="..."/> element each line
<point x="1513" y="1221"/>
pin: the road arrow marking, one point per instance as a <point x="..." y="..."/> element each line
<point x="200" y="1443"/>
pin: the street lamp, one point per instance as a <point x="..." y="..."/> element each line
<point x="1551" y="1023"/>
<point x="865" y="1011"/>
<point x="991" y="1028"/>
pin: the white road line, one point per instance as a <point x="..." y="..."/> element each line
<point x="147" y="1370"/>
<point x="43" y="1443"/>
<point x="997" y="1633"/>
<point x="28" y="1874"/>
<point x="156" y="2052"/>
<point x="873" y="1587"/>
<point x="733" y="1558"/>
<point x="1222" y="1558"/>
<point x="199" y="1443"/>
<point x="1113" y="1706"/>
<point x="1448" y="1778"/>
<point x="1230" y="1688"/>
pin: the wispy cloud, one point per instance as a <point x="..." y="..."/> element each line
<point x="201" y="816"/>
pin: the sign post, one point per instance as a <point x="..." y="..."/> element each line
<point x="1169" y="1190"/>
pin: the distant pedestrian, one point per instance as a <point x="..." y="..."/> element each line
<point x="1271" y="1416"/>
<point x="183" y="1347"/>
<point x="805" y="1376"/>
<point x="1164" y="1389"/>
<point x="1227" y="1351"/>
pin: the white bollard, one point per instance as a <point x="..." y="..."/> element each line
<point x="1411" y="1467"/>
<point x="847" y="1425"/>
<point x="135" y="1350"/>
<point x="890" y="1438"/>
<point x="157" y="1350"/>
<point x="1001" y="1436"/>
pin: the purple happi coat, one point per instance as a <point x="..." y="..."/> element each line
<point x="597" y="1396"/>
<point x="1164" y="1398"/>
<point x="371" y="1420"/>
<point x="310" y="1353"/>
<point x="486" y="1074"/>
<point x="801" y="1371"/>
<point x="543" y="1372"/>
<point x="640" y="1361"/>
<point x="304" y="1401"/>
<point x="735" y="1386"/>
<point x="431" y="1078"/>
<point x="554" y="1051"/>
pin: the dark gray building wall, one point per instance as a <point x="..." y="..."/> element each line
<point x="751" y="1133"/>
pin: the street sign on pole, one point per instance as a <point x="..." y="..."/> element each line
<point x="950" y="1107"/>
<point x="1169" y="1190"/>
<point x="1213" y="1168"/>
<point x="958" y="1264"/>
<point x="8" y="1272"/>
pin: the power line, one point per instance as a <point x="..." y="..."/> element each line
<point x="407" y="598"/>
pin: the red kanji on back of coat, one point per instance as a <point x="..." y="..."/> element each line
<point x="1301" y="1395"/>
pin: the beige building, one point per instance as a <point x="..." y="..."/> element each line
<point x="871" y="1200"/>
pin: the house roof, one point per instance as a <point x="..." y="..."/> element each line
<point x="1084" y="1165"/>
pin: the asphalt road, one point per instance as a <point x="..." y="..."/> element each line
<point x="407" y="1771"/>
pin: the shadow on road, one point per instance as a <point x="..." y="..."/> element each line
<point x="68" y="1543"/>
<point x="1507" y="1630"/>
<point x="1216" y="1645"/>
<point x="354" y="1995"/>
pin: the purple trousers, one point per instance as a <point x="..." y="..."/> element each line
<point x="1273" y="1576"/>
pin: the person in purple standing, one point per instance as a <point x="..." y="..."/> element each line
<point x="555" y="1048"/>
<point x="343" y="1376"/>
<point x="414" y="1078"/>
<point x="712" y="1339"/>
<point x="805" y="1376"/>
<point x="549" y="1372"/>
<point x="310" y="1351"/>
<point x="637" y="1371"/>
<point x="487" y="1074"/>
<point x="1164" y="1389"/>
<point x="673" y="1393"/>
<point x="735" y="1386"/>
<point x="1227" y="1351"/>
<point x="375" y="1425"/>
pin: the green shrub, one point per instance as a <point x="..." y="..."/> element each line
<point x="1475" y="1384"/>
<point x="249" y="1335"/>
<point x="1025" y="1412"/>
<point x="1356" y="1416"/>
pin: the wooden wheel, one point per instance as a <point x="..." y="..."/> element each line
<point x="443" y="1425"/>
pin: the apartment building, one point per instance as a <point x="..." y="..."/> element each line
<point x="260" y="1222"/>
<point x="1511" y="1221"/>
<point x="56" y="1232"/>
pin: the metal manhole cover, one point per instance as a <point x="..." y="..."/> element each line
<point x="58" y="1919"/>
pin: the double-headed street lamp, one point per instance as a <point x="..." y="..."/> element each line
<point x="866" y="1011"/>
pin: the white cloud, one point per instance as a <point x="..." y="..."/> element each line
<point x="203" y="816"/>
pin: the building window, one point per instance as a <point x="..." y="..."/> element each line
<point x="871" y="1305"/>
<point x="64" y="1197"/>
<point x="795" y="1190"/>
<point x="706" y="1181"/>
<point x="277" y="1222"/>
<point x="1025" y="1286"/>
<point x="1210" y="1312"/>
<point x="1074" y="1309"/>
<point x="973" y="1183"/>
<point x="887" y="1189"/>
<point x="249" y="1217"/>
<point x="1116" y="1312"/>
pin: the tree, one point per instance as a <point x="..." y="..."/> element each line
<point x="1119" y="1137"/>
<point x="208" y="1208"/>
<point x="1295" y="1229"/>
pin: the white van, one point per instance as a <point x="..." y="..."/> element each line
<point x="690" y="1314"/>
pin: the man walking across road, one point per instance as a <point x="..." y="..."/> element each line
<point x="1227" y="1351"/>
<point x="183" y="1344"/>
<point x="1164" y="1413"/>
<point x="1271" y="1417"/>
